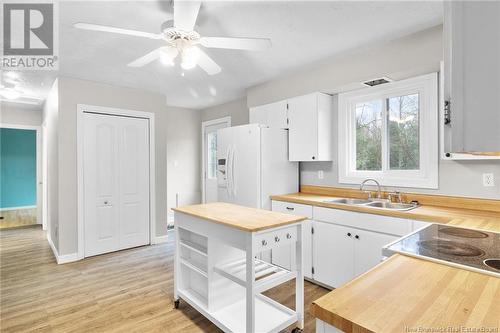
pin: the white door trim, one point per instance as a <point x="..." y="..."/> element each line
<point x="39" y="190"/>
<point x="81" y="109"/>
<point x="204" y="125"/>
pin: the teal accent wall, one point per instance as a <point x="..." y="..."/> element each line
<point x="17" y="167"/>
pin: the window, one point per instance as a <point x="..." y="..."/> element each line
<point x="212" y="155"/>
<point x="390" y="133"/>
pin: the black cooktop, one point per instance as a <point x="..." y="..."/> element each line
<point x="472" y="249"/>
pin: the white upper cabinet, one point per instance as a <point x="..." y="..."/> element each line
<point x="310" y="125"/>
<point x="471" y="79"/>
<point x="273" y="115"/>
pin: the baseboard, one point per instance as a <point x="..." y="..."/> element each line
<point x="17" y="208"/>
<point x="161" y="239"/>
<point x="61" y="259"/>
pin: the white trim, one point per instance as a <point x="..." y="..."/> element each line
<point x="61" y="259"/>
<point x="17" y="208"/>
<point x="81" y="108"/>
<point x="204" y="125"/>
<point x="427" y="176"/>
<point x="162" y="239"/>
<point x="39" y="179"/>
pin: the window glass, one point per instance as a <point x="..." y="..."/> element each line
<point x="403" y="132"/>
<point x="369" y="135"/>
<point x="212" y="155"/>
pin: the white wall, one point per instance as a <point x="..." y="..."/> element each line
<point x="51" y="121"/>
<point x="183" y="157"/>
<point x="413" y="55"/>
<point x="20" y="114"/>
<point x="237" y="109"/>
<point x="73" y="92"/>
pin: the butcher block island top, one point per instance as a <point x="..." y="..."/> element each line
<point x="243" y="218"/>
<point x="406" y="294"/>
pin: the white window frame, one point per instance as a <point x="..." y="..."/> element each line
<point x="427" y="176"/>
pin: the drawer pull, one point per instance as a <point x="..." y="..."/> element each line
<point x="290" y="208"/>
<point x="264" y="242"/>
<point x="357" y="237"/>
<point x="288" y="236"/>
<point x="276" y="239"/>
<point x="349" y="234"/>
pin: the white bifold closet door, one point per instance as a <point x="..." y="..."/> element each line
<point x="116" y="182"/>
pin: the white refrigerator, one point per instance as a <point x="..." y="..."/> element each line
<point x="252" y="164"/>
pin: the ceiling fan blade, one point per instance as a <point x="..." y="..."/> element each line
<point x="252" y="44"/>
<point x="146" y="59"/>
<point x="185" y="14"/>
<point x="206" y="63"/>
<point x="105" y="28"/>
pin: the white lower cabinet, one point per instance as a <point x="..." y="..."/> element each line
<point x="340" y="245"/>
<point x="322" y="327"/>
<point x="332" y="254"/>
<point x="284" y="256"/>
<point x="368" y="249"/>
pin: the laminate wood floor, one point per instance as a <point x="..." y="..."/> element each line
<point x="16" y="218"/>
<point x="126" y="291"/>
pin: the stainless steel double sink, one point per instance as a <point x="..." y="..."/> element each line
<point x="376" y="203"/>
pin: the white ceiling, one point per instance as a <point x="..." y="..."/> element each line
<point x="301" y="33"/>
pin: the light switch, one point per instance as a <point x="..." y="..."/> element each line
<point x="320" y="174"/>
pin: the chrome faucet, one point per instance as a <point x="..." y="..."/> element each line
<point x="379" y="193"/>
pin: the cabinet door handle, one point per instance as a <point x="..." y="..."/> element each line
<point x="288" y="236"/>
<point x="276" y="239"/>
<point x="290" y="208"/>
<point x="357" y="237"/>
<point x="349" y="234"/>
<point x="264" y="242"/>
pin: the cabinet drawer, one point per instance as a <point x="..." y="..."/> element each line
<point x="389" y="225"/>
<point x="292" y="208"/>
<point x="275" y="238"/>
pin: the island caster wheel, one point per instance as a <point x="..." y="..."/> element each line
<point x="297" y="330"/>
<point x="176" y="303"/>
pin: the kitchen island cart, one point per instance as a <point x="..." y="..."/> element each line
<point x="218" y="270"/>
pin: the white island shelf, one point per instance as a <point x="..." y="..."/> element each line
<point x="217" y="270"/>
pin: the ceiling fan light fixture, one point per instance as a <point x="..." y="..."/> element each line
<point x="168" y="55"/>
<point x="190" y="58"/>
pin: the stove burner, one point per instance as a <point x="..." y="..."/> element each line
<point x="460" y="232"/>
<point x="493" y="263"/>
<point x="451" y="248"/>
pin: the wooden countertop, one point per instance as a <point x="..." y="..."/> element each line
<point x="243" y="218"/>
<point x="467" y="218"/>
<point x="404" y="294"/>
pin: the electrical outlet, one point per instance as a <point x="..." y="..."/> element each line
<point x="320" y="174"/>
<point x="488" y="179"/>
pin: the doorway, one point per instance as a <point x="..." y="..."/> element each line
<point x="209" y="156"/>
<point x="116" y="179"/>
<point x="20" y="174"/>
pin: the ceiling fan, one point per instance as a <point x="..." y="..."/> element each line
<point x="181" y="39"/>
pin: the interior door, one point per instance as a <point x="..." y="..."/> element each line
<point x="210" y="159"/>
<point x="116" y="182"/>
<point x="332" y="254"/>
<point x="133" y="183"/>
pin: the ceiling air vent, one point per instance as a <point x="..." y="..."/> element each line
<point x="376" y="82"/>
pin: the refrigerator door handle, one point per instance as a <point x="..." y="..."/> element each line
<point x="227" y="171"/>
<point x="233" y="187"/>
